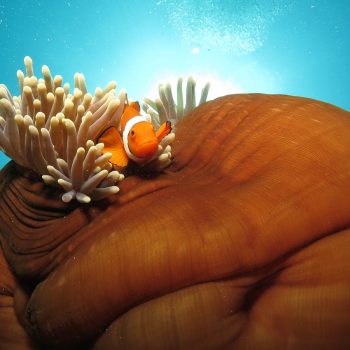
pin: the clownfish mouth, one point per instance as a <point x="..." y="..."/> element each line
<point x="146" y="150"/>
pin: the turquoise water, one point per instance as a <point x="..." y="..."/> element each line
<point x="297" y="47"/>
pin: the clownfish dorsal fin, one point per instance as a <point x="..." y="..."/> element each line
<point x="163" y="130"/>
<point x="135" y="105"/>
<point x="130" y="111"/>
<point x="126" y="104"/>
<point x="113" y="143"/>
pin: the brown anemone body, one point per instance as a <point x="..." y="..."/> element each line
<point x="243" y="243"/>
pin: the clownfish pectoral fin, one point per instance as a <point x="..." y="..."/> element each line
<point x="113" y="143"/>
<point x="163" y="130"/>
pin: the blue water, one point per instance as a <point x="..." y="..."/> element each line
<point x="299" y="47"/>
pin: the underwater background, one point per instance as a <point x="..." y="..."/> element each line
<point x="299" y="47"/>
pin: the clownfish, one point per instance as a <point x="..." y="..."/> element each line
<point x="136" y="140"/>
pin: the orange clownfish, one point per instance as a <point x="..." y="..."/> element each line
<point x="137" y="139"/>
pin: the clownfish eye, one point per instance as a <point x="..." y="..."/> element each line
<point x="132" y="133"/>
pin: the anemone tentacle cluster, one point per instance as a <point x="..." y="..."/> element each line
<point x="166" y="108"/>
<point x="52" y="131"/>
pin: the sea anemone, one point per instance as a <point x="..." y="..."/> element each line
<point x="52" y="132"/>
<point x="251" y="219"/>
<point x="165" y="108"/>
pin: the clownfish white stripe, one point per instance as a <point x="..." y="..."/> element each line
<point x="128" y="127"/>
